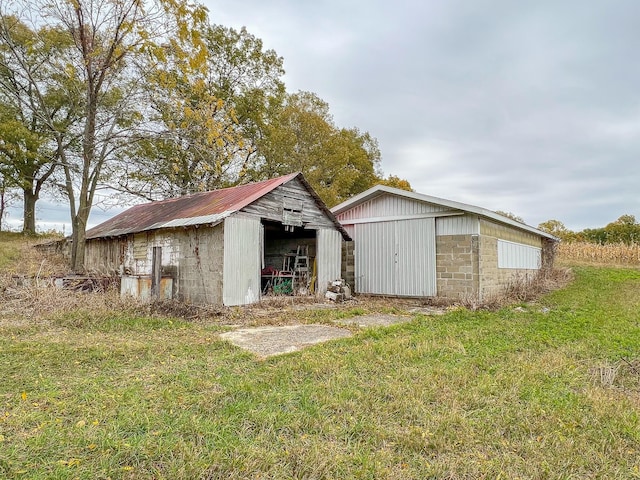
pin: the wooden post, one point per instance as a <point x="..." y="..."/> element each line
<point x="156" y="270"/>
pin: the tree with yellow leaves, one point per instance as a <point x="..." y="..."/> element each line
<point x="100" y="69"/>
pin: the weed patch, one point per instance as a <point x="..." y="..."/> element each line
<point x="94" y="387"/>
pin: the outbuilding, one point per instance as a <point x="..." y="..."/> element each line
<point x="228" y="246"/>
<point x="414" y="245"/>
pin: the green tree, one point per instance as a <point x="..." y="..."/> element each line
<point x="8" y="196"/>
<point x="207" y="117"/>
<point x="396" y="182"/>
<point x="33" y="108"/>
<point x="99" y="69"/>
<point x="557" y="229"/>
<point x="302" y="136"/>
<point x="510" y="215"/>
<point x="625" y="230"/>
<point x="25" y="161"/>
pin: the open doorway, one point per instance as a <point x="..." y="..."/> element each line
<point x="288" y="260"/>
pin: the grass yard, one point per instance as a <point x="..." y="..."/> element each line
<point x="546" y="390"/>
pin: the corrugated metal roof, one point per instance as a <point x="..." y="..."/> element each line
<point x="383" y="189"/>
<point x="197" y="209"/>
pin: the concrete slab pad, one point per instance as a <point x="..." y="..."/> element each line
<point x="268" y="341"/>
<point x="375" y="320"/>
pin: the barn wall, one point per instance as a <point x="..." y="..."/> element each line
<point x="329" y="258"/>
<point x="199" y="261"/>
<point x="493" y="280"/>
<point x="505" y="232"/>
<point x="105" y="255"/>
<point x="193" y="257"/>
<point x="388" y="205"/>
<point x="457" y="225"/>
<point x="242" y="260"/>
<point x="272" y="207"/>
<point x="348" y="269"/>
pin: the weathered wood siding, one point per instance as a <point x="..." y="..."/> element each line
<point x="272" y="206"/>
<point x="192" y="256"/>
<point x="105" y="255"/>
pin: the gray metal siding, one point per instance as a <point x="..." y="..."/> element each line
<point x="328" y="257"/>
<point x="416" y="258"/>
<point x="458" y="225"/>
<point x="374" y="257"/>
<point x="396" y="258"/>
<point x="242" y="259"/>
<point x="389" y="205"/>
<point x="518" y="256"/>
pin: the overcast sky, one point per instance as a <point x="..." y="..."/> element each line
<point x="527" y="107"/>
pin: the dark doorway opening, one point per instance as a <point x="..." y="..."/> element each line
<point x="288" y="260"/>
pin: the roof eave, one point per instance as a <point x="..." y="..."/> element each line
<point x="382" y="189"/>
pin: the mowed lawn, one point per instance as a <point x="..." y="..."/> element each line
<point x="546" y="390"/>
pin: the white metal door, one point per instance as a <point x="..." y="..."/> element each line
<point x="396" y="258"/>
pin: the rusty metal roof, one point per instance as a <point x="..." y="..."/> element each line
<point x="196" y="209"/>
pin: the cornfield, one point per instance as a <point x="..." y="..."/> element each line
<point x="612" y="253"/>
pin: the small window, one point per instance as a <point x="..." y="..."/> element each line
<point x="292" y="212"/>
<point x="140" y="246"/>
<point x="518" y="255"/>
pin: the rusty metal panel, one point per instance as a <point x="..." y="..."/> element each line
<point x="242" y="260"/>
<point x="139" y="286"/>
<point x="328" y="258"/>
<point x="199" y="208"/>
<point x="206" y="208"/>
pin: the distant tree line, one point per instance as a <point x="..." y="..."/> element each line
<point x="152" y="100"/>
<point x="623" y="230"/>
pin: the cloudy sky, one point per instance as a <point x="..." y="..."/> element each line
<point x="527" y="107"/>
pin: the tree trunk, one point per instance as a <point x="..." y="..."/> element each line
<point x="29" y="212"/>
<point x="79" y="237"/>
<point x="2" y="204"/>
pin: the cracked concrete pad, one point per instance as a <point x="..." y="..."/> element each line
<point x="268" y="341"/>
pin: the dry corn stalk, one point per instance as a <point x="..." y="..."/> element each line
<point x="611" y="253"/>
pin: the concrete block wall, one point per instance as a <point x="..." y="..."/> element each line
<point x="348" y="270"/>
<point x="489" y="275"/>
<point x="493" y="280"/>
<point x="506" y="232"/>
<point x="192" y="257"/>
<point x="457" y="269"/>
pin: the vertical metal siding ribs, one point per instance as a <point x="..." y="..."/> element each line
<point x="241" y="261"/>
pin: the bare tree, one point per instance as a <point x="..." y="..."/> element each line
<point x="98" y="71"/>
